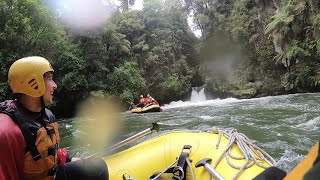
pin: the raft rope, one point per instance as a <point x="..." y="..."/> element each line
<point x="250" y="151"/>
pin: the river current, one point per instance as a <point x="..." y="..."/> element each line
<point x="286" y="126"/>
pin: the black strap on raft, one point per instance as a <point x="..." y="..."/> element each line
<point x="179" y="172"/>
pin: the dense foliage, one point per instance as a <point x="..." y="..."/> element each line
<point x="248" y="48"/>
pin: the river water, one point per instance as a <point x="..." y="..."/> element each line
<point x="286" y="126"/>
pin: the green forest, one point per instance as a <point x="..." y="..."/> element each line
<point x="247" y="48"/>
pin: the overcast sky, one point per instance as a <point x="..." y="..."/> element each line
<point x="137" y="5"/>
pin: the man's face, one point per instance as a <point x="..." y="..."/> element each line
<point x="50" y="87"/>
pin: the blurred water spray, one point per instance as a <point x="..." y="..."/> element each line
<point x="83" y="15"/>
<point x="99" y="120"/>
<point x="220" y="56"/>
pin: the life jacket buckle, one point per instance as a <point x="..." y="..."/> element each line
<point x="36" y="157"/>
<point x="53" y="150"/>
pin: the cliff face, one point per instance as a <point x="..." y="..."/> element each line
<point x="278" y="41"/>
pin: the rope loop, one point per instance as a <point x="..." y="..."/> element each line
<point x="251" y="153"/>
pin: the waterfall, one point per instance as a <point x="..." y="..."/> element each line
<point x="198" y="94"/>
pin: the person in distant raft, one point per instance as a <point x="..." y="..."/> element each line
<point x="29" y="136"/>
<point x="148" y="100"/>
<point x="142" y="102"/>
<point x="152" y="100"/>
<point x="132" y="106"/>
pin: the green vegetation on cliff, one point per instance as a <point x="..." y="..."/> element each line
<point x="248" y="48"/>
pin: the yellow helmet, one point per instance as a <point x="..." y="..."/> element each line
<point x="26" y="75"/>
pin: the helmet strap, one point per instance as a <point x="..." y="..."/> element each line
<point x="43" y="114"/>
<point x="43" y="106"/>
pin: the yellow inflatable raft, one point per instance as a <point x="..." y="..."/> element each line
<point x="151" y="108"/>
<point x="180" y="154"/>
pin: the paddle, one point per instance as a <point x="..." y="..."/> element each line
<point x="155" y="127"/>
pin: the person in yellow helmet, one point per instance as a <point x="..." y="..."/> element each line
<point x="29" y="135"/>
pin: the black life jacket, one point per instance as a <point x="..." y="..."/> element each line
<point x="42" y="139"/>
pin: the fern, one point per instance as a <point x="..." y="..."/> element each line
<point x="285" y="16"/>
<point x="278" y="19"/>
<point x="296" y="49"/>
<point x="316" y="80"/>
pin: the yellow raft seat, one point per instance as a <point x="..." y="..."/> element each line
<point x="154" y="156"/>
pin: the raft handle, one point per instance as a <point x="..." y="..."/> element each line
<point x="206" y="163"/>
